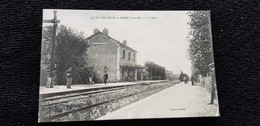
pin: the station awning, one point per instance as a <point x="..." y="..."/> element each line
<point x="141" y="67"/>
<point x="134" y="66"/>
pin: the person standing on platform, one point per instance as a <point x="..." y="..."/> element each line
<point x="213" y="83"/>
<point x="90" y="78"/>
<point x="69" y="77"/>
<point x="48" y="81"/>
<point x="105" y="75"/>
<point x="192" y="79"/>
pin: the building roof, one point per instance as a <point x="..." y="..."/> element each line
<point x="90" y="37"/>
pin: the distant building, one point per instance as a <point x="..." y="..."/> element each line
<point x="118" y="57"/>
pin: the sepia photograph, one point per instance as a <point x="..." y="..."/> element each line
<point x="117" y="65"/>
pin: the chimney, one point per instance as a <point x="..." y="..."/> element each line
<point x="96" y="30"/>
<point x="125" y="42"/>
<point x="105" y="31"/>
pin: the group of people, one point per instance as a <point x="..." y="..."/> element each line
<point x="213" y="83"/>
<point x="69" y="77"/>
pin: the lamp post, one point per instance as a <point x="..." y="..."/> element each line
<point x="55" y="25"/>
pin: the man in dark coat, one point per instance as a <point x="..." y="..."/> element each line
<point x="105" y="78"/>
<point x="192" y="79"/>
<point x="105" y="75"/>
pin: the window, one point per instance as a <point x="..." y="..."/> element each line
<point x="129" y="55"/>
<point x="123" y="54"/>
<point x="134" y="57"/>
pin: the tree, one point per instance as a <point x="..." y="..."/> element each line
<point x="70" y="48"/>
<point x="200" y="48"/>
<point x="156" y="71"/>
<point x="70" y="52"/>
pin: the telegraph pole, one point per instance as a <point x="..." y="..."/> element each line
<point x="55" y="25"/>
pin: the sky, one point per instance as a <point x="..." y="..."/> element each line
<point x="158" y="36"/>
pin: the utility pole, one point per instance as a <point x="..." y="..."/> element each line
<point x="55" y="25"/>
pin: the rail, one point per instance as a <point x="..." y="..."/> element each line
<point x="50" y="100"/>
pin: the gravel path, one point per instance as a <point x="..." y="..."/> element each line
<point x="181" y="100"/>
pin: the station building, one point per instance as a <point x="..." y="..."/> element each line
<point x="120" y="59"/>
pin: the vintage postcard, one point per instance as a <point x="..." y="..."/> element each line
<point x="113" y="65"/>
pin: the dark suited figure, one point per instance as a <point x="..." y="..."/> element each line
<point x="105" y="78"/>
<point x="213" y="83"/>
<point x="192" y="80"/>
<point x="105" y="75"/>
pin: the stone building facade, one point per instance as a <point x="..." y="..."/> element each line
<point x="105" y="51"/>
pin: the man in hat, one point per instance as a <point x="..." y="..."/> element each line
<point x="213" y="83"/>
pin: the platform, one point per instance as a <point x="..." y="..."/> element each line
<point x="78" y="87"/>
<point x="181" y="100"/>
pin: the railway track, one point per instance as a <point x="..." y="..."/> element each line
<point x="76" y="96"/>
<point x="54" y="108"/>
